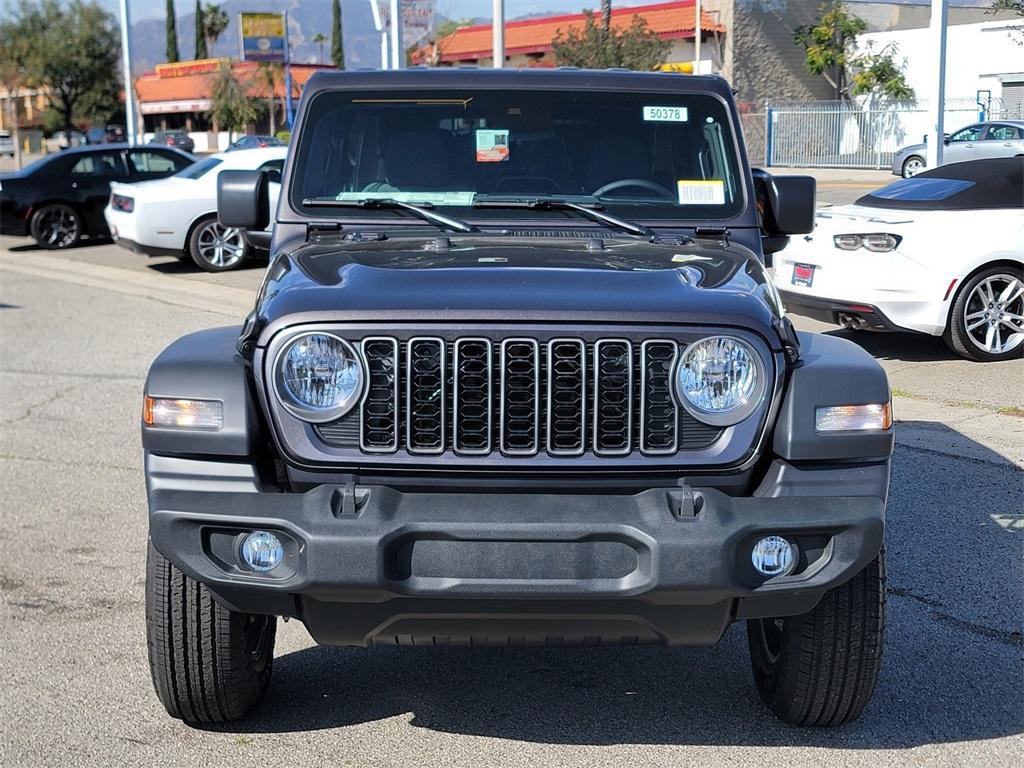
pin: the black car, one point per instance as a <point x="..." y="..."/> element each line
<point x="60" y="199"/>
<point x="256" y="141"/>
<point x="177" y="139"/>
<point x="517" y="375"/>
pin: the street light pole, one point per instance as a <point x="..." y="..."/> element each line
<point x="937" y="107"/>
<point x="131" y="127"/>
<point x="698" y="33"/>
<point x="397" y="56"/>
<point x="498" y="34"/>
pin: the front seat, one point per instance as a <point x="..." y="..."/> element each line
<point x="416" y="162"/>
<point x="615" y="157"/>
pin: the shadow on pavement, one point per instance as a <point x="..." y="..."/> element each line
<point x="187" y="266"/>
<point x="953" y="668"/>
<point x="911" y="347"/>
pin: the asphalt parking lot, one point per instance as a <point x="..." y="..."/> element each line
<point x="77" y="331"/>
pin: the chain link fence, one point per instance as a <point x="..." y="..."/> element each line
<point x="829" y="134"/>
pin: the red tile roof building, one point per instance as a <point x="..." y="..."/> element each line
<point x="528" y="42"/>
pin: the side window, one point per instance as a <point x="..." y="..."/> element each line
<point x="970" y="133"/>
<point x="146" y="162"/>
<point x="1002" y="133"/>
<point x="98" y="164"/>
<point x="274" y="168"/>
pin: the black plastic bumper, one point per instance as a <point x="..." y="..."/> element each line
<point x="372" y="564"/>
<point x="866" y="317"/>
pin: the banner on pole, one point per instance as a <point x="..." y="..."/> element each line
<point x="263" y="37"/>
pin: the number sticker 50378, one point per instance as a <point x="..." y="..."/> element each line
<point x="665" y="114"/>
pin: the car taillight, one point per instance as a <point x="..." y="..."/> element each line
<point x="122" y="203"/>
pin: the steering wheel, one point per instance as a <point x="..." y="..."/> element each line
<point x="626" y="183"/>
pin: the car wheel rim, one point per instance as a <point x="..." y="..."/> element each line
<point x="58" y="227"/>
<point x="912" y="168"/>
<point x="220" y="246"/>
<point x="994" y="314"/>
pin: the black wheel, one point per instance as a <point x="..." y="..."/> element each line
<point x="912" y="166"/>
<point x="216" y="248"/>
<point x="56" y="226"/>
<point x="986" y="322"/>
<point x="821" y="668"/>
<point x="209" y="664"/>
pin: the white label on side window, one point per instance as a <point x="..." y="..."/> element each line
<point x="665" y="114"/>
<point x="701" y="191"/>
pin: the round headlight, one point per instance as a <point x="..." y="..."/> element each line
<point x="319" y="377"/>
<point x="720" y="380"/>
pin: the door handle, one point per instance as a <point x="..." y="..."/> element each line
<point x="1007" y="144"/>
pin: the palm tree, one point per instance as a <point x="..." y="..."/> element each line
<point x="320" y="38"/>
<point x="606" y="16"/>
<point x="215" y="21"/>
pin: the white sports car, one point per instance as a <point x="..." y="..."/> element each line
<point x="177" y="216"/>
<point x="941" y="253"/>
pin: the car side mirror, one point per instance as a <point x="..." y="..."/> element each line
<point x="787" y="203"/>
<point x="243" y="199"/>
<point x="945" y="139"/>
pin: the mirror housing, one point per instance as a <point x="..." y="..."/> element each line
<point x="787" y="203"/>
<point x="243" y="199"/>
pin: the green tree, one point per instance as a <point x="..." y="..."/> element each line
<point x="635" y="47"/>
<point x="215" y="21"/>
<point x="172" y="33"/>
<point x="231" y="106"/>
<point x="201" y="52"/>
<point x="270" y="72"/>
<point x="68" y="49"/>
<point x="1011" y="6"/>
<point x="337" y="44"/>
<point x="829" y="51"/>
<point x="320" y="38"/>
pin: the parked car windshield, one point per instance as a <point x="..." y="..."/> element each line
<point x="653" y="156"/>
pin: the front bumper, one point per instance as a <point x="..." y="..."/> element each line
<point x="372" y="564"/>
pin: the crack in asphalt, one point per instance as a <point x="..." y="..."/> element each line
<point x="1012" y="638"/>
<point x="1004" y="463"/>
<point x="66" y="463"/>
<point x="76" y="375"/>
<point x="31" y="409"/>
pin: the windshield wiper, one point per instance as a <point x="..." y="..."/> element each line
<point x="422" y="211"/>
<point x="592" y="212"/>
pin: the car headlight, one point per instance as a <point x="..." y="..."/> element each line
<point x="318" y="377"/>
<point x="877" y="242"/>
<point x="720" y="380"/>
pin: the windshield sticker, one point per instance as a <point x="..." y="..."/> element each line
<point x="491" y="145"/>
<point x="701" y="191"/>
<point x="434" y="198"/>
<point x="665" y="115"/>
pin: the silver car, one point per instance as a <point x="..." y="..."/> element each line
<point x="995" y="138"/>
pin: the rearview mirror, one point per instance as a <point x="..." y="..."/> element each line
<point x="787" y="203"/>
<point x="243" y="199"/>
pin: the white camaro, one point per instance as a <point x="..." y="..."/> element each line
<point x="177" y="216"/>
<point x="941" y="253"/>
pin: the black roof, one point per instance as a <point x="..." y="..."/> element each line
<point x="974" y="185"/>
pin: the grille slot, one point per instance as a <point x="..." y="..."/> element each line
<point x="478" y="396"/>
<point x="567" y="397"/>
<point x="659" y="415"/>
<point x="425" y="395"/>
<point x="472" y="386"/>
<point x="520" y="397"/>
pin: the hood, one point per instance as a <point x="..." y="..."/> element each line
<point x="495" y="278"/>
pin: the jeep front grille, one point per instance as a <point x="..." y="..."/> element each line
<point x="519" y="397"/>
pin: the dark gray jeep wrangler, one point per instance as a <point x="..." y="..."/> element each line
<point x="516" y="375"/>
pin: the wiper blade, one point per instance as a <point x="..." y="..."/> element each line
<point x="422" y="211"/>
<point x="592" y="212"/>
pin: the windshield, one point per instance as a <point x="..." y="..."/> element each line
<point x="198" y="169"/>
<point x="649" y="156"/>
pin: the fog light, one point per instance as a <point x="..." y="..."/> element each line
<point x="262" y="551"/>
<point x="773" y="556"/>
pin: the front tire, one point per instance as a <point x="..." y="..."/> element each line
<point x="912" y="166"/>
<point x="209" y="664"/>
<point x="56" y="226"/>
<point x="217" y="248"/>
<point x="986" y="322"/>
<point x="820" y="668"/>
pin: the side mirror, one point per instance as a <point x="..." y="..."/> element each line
<point x="243" y="199"/>
<point x="945" y="139"/>
<point x="787" y="203"/>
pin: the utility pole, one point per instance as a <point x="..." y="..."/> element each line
<point x="937" y="106"/>
<point x="131" y="127"/>
<point x="498" y="34"/>
<point x="397" y="54"/>
<point x="378" y="25"/>
<point x="698" y="33"/>
<point x="289" y="108"/>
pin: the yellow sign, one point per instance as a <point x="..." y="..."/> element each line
<point x="197" y="67"/>
<point x="682" y="67"/>
<point x="262" y="24"/>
